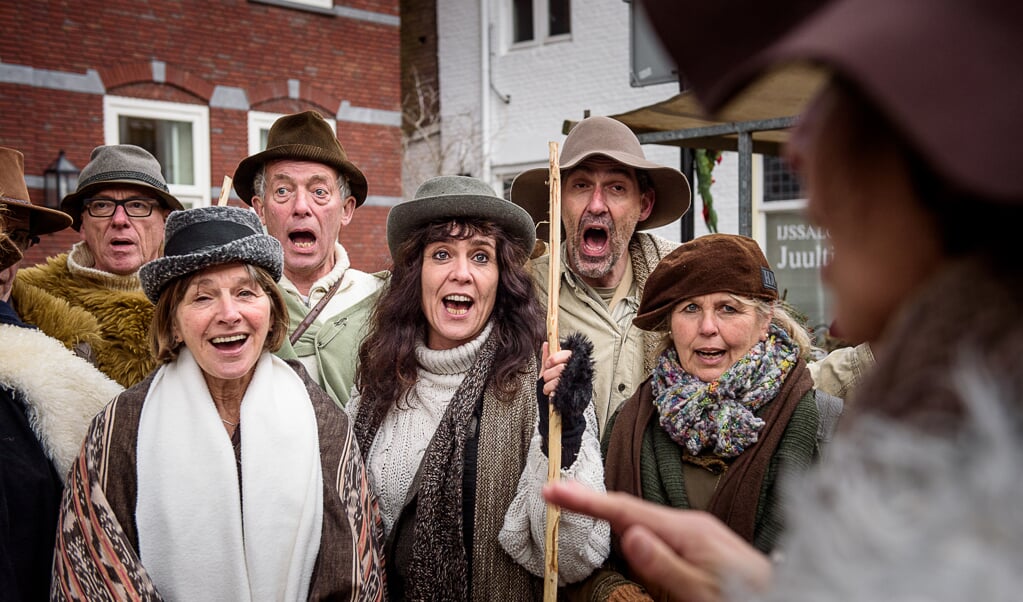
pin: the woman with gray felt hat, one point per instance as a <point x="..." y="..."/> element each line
<point x="193" y="509"/>
<point x="446" y="405"/>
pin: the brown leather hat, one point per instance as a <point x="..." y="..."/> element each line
<point x="946" y="73"/>
<point x="715" y="263"/>
<point x="302" y="136"/>
<point x="14" y="196"/>
<point x="604" y="136"/>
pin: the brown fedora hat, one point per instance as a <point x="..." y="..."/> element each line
<point x="14" y="196"/>
<point x="944" y="72"/>
<point x="302" y="136"/>
<point x="607" y="137"/>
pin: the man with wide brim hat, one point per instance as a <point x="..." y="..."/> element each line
<point x="47" y="398"/>
<point x="305" y="190"/>
<point x="609" y="192"/>
<point x="24" y="221"/>
<point x="119" y="209"/>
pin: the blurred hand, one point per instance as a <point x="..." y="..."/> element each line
<point x="687" y="553"/>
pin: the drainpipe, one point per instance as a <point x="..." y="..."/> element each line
<point x="485" y="91"/>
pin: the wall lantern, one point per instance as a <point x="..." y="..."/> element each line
<point x="59" y="179"/>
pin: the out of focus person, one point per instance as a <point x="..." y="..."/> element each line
<point x="48" y="396"/>
<point x="227" y="474"/>
<point x="917" y="183"/>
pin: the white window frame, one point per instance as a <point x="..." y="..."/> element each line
<point x="194" y="195"/>
<point x="260" y="120"/>
<point x="541" y="20"/>
<point x="326" y="4"/>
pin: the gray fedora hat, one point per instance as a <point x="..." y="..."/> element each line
<point x="118" y="164"/>
<point x="302" y="136"/>
<point x="607" y="137"/>
<point x="446" y="197"/>
<point x="207" y="236"/>
<point x="14" y="196"/>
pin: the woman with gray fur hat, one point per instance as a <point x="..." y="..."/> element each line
<point x="168" y="499"/>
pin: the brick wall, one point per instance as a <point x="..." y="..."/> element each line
<point x="350" y="57"/>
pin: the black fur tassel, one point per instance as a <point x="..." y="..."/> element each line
<point x="575" y="388"/>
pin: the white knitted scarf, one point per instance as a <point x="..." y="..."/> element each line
<point x="200" y="538"/>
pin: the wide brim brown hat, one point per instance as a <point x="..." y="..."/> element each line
<point x="114" y="165"/>
<point x="302" y="136"/>
<point x="447" y="197"/>
<point x="606" y="137"/>
<point x="14" y="196"/>
<point x="946" y="73"/>
<point x="715" y="263"/>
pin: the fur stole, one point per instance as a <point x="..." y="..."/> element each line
<point x="122" y="350"/>
<point x="62" y="391"/>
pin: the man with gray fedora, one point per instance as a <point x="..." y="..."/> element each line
<point x="609" y="191"/>
<point x="305" y="190"/>
<point x="91" y="297"/>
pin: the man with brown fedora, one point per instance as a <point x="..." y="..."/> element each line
<point x="305" y="190"/>
<point x="91" y="297"/>
<point x="48" y="396"/>
<point x="609" y="192"/>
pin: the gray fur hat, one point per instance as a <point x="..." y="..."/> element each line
<point x="125" y="164"/>
<point x="457" y="197"/>
<point x="207" y="236"/>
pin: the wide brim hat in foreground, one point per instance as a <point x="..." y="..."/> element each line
<point x="302" y="136"/>
<point x="199" y="238"/>
<point x="113" y="165"/>
<point x="14" y="196"/>
<point x="447" y="197"/>
<point x="715" y="263"/>
<point x="946" y="73"/>
<point x="607" y="137"/>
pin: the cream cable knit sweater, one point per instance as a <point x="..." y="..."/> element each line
<point x="406" y="432"/>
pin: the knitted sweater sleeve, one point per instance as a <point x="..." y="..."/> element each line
<point x="583" y="542"/>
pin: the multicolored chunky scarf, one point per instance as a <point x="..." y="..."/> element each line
<point x="720" y="415"/>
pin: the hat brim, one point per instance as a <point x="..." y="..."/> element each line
<point x="42" y="220"/>
<point x="72" y="203"/>
<point x="404" y="219"/>
<point x="245" y="174"/>
<point x="158" y="273"/>
<point x="672" y="194"/>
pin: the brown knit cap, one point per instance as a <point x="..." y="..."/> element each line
<point x="716" y="263"/>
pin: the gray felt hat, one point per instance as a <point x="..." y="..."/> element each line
<point x="446" y="197"/>
<point x="118" y="164"/>
<point x="207" y="236"/>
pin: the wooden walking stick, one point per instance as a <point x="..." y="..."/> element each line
<point x="225" y="191"/>
<point x="550" y="580"/>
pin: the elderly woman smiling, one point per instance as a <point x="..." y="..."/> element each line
<point x="446" y="405"/>
<point x="168" y="499"/>
<point x="730" y="404"/>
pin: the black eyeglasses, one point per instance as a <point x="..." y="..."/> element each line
<point x="134" y="207"/>
<point x="23" y="239"/>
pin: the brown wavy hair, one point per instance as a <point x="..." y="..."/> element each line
<point x="387" y="361"/>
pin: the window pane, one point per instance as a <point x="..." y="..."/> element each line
<point x="780" y="184"/>
<point x="522" y="20"/>
<point x="560" y="21"/>
<point x="169" y="141"/>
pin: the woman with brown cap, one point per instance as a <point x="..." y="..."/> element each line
<point x="730" y="406"/>
<point x="910" y="160"/>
